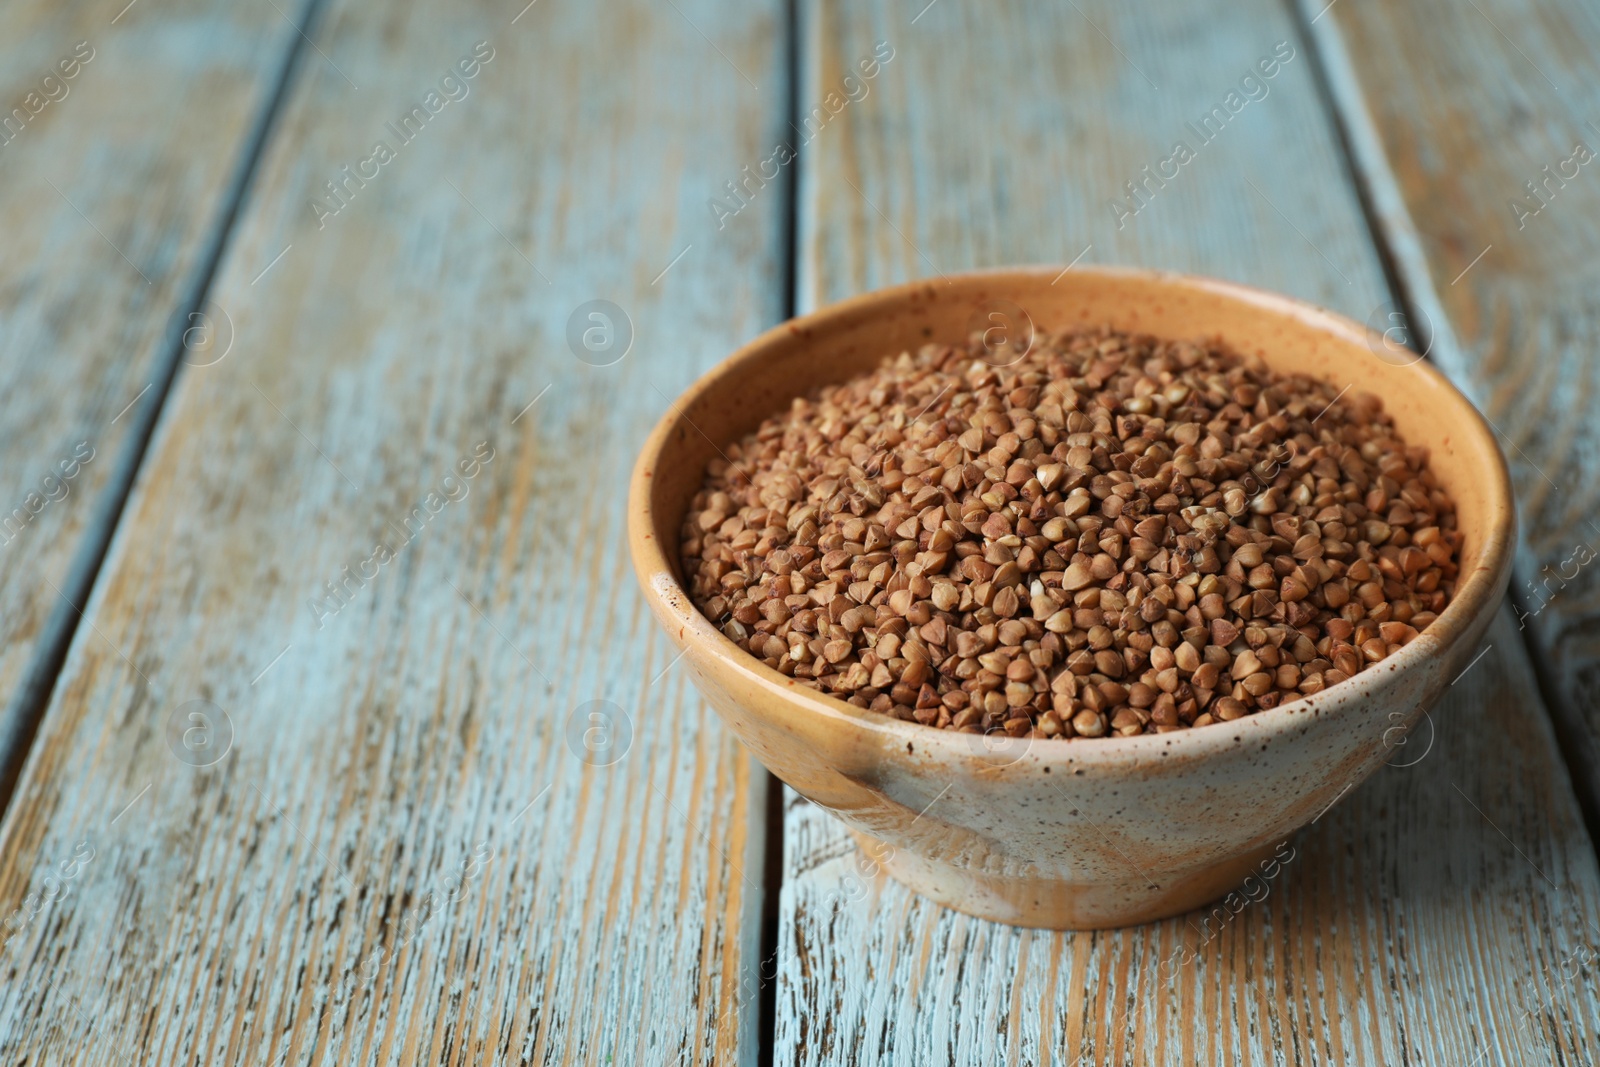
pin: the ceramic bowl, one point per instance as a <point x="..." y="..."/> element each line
<point x="1085" y="833"/>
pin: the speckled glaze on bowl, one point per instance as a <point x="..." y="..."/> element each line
<point x="1087" y="833"/>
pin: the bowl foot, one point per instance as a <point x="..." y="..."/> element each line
<point x="1052" y="904"/>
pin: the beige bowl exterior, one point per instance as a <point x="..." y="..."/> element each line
<point x="1075" y="834"/>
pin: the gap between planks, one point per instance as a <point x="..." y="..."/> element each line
<point x="1397" y="237"/>
<point x="24" y="712"/>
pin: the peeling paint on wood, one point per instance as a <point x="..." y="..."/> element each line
<point x="118" y="150"/>
<point x="1477" y="130"/>
<point x="445" y="801"/>
<point x="1431" y="917"/>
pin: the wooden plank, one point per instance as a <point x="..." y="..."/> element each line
<point x="448" y="802"/>
<point x="1475" y="129"/>
<point x="1419" y="919"/>
<point x="113" y="207"/>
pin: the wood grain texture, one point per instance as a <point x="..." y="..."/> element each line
<point x="412" y="843"/>
<point x="1454" y="111"/>
<point x="1442" y="913"/>
<point x="120" y="143"/>
<point x="1402" y="929"/>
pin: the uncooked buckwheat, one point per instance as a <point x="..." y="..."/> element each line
<point x="1114" y="534"/>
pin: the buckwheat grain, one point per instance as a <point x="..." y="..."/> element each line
<point x="1113" y="535"/>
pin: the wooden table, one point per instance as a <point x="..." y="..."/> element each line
<point x="335" y="730"/>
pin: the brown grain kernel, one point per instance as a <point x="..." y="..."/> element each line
<point x="1258" y="684"/>
<point x="1089" y="724"/>
<point x="1244" y="664"/>
<point x="916" y="672"/>
<point x="1229" y="709"/>
<point x="1127" y="721"/>
<point x="1115" y="534"/>
<point x="1224" y="632"/>
<point x="1078" y="575"/>
<point x="1110" y="664"/>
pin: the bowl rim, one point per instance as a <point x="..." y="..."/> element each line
<point x="1477" y="593"/>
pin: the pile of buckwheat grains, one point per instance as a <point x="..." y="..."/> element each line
<point x="1111" y="535"/>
